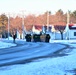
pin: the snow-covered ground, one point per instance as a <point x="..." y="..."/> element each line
<point x="46" y="66"/>
<point x="5" y="44"/>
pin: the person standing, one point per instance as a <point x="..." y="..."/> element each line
<point x="47" y="38"/>
<point x="14" y="37"/>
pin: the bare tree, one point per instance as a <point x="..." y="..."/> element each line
<point x="60" y="29"/>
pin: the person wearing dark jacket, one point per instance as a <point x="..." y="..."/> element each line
<point x="47" y="38"/>
<point x="28" y="37"/>
<point x="14" y="37"/>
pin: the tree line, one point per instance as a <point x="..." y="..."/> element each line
<point x="57" y="19"/>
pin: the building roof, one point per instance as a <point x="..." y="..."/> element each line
<point x="72" y="26"/>
<point x="38" y="27"/>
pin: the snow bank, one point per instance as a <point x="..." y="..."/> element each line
<point x="6" y="45"/>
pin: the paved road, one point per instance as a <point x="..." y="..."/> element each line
<point x="24" y="53"/>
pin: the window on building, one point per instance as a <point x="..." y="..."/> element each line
<point x="74" y="33"/>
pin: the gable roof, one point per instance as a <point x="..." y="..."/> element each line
<point x="38" y="27"/>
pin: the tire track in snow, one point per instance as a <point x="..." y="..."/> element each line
<point x="18" y="49"/>
<point x="40" y="49"/>
<point x="16" y="53"/>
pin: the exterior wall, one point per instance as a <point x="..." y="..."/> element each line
<point x="72" y="34"/>
<point x="35" y="30"/>
<point x="58" y="36"/>
<point x="72" y="31"/>
<point x="18" y="35"/>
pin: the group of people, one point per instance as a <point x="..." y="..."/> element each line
<point x="37" y="37"/>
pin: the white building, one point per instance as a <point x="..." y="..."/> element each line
<point x="18" y="34"/>
<point x="36" y="29"/>
<point x="72" y="31"/>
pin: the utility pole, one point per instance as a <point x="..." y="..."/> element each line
<point x="8" y="25"/>
<point x="23" y="24"/>
<point x="68" y="19"/>
<point x="47" y="20"/>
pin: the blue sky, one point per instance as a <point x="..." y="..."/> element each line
<point x="36" y="6"/>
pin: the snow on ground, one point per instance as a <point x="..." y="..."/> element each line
<point x="6" y="45"/>
<point x="46" y="66"/>
<point x="53" y="66"/>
